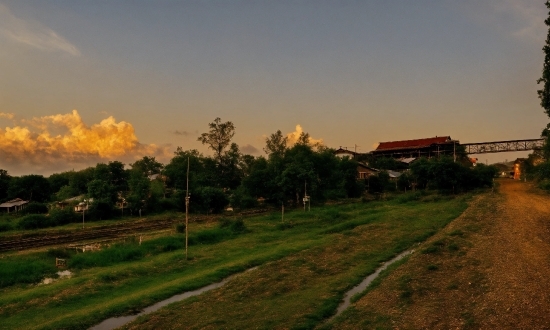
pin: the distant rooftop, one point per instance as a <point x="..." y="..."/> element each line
<point x="419" y="143"/>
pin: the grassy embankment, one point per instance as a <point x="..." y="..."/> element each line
<point x="305" y="270"/>
<point x="445" y="275"/>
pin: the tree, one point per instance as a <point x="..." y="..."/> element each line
<point x="276" y="144"/>
<point x="147" y="165"/>
<point x="32" y="187"/>
<point x="139" y="189"/>
<point x="219" y="137"/>
<point x="4" y="184"/>
<point x="229" y="169"/>
<point x="544" y="93"/>
<point x="303" y="139"/>
<point x="58" y="180"/>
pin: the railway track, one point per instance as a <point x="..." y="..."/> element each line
<point x="95" y="233"/>
<point x="111" y="231"/>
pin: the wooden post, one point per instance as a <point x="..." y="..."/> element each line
<point x="187" y="210"/>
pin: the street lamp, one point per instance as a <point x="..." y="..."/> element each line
<point x="84" y="207"/>
<point x="307" y="200"/>
<point x="306" y="197"/>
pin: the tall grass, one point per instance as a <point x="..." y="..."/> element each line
<point x="130" y="276"/>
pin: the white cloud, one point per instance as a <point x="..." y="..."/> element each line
<point x="33" y="34"/>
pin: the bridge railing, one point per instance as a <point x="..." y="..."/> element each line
<point x="503" y="146"/>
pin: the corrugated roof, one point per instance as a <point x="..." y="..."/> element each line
<point x="419" y="143"/>
<point x="14" y="202"/>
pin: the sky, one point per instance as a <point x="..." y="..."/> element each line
<point x="84" y="82"/>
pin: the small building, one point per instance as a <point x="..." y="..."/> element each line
<point x="428" y="147"/>
<point x="62" y="204"/>
<point x="14" y="205"/>
<point x="364" y="171"/>
<point x="341" y="153"/>
<point x="84" y="205"/>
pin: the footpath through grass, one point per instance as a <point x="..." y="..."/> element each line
<point x="305" y="269"/>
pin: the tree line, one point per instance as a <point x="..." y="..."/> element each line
<point x="282" y="177"/>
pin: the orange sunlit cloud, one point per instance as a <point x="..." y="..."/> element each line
<point x="293" y="137"/>
<point x="56" y="141"/>
<point x="7" y="115"/>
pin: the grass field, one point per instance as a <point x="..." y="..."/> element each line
<point x="306" y="265"/>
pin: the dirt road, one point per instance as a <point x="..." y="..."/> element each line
<point x="489" y="269"/>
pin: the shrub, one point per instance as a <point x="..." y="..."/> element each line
<point x="5" y="227"/>
<point x="167" y="204"/>
<point x="236" y="226"/>
<point x="60" y="217"/>
<point x="180" y="228"/>
<point x="34" y="221"/>
<point x="13" y="271"/>
<point x="241" y="200"/>
<point x="35" y="208"/>
<point x="408" y="197"/>
<point x="209" y="199"/>
<point x="100" y="211"/>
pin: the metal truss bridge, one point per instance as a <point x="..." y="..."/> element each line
<point x="503" y="146"/>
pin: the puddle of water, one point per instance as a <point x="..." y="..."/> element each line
<point x="366" y="282"/>
<point x="65" y="273"/>
<point x="61" y="274"/>
<point x="115" y="322"/>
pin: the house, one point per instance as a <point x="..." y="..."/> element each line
<point x="364" y="171"/>
<point x="84" y="205"/>
<point x="341" y="153"/>
<point x="62" y="204"/>
<point x="427" y="147"/>
<point x="14" y="205"/>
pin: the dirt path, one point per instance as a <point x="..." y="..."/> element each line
<point x="489" y="269"/>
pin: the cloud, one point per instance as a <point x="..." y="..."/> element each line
<point x="293" y="137"/>
<point x="33" y="34"/>
<point x="528" y="17"/>
<point x="249" y="149"/>
<point x="7" y="115"/>
<point x="183" y="133"/>
<point x="33" y="145"/>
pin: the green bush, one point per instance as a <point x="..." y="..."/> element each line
<point x="34" y="221"/>
<point x="180" y="228"/>
<point x="241" y="200"/>
<point x="236" y="226"/>
<point x="5" y="227"/>
<point x="208" y="199"/>
<point x="60" y="217"/>
<point x="25" y="271"/>
<point x="35" y="208"/>
<point x="408" y="197"/>
<point x="166" y="204"/>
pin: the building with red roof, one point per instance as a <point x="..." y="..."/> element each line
<point x="428" y="147"/>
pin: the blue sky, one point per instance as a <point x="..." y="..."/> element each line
<point x="348" y="72"/>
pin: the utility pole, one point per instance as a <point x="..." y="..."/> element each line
<point x="187" y="211"/>
<point x="454" y="151"/>
<point x="305" y="194"/>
